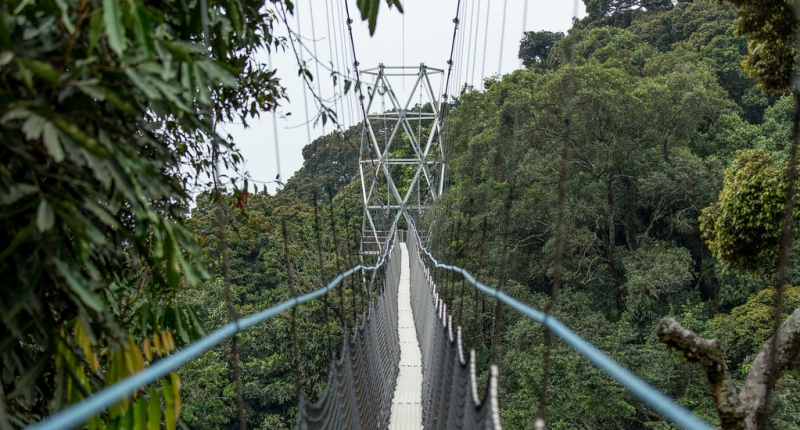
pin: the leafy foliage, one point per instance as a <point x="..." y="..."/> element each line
<point x="771" y="27"/>
<point x="743" y="229"/>
<point x="534" y="49"/>
<point x="106" y="109"/>
<point x="652" y="108"/>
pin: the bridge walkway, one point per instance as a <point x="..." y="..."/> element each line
<point x="407" y="402"/>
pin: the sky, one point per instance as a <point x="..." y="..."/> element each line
<point x="487" y="41"/>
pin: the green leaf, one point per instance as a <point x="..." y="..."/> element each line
<point x="26" y="380"/>
<point x="154" y="411"/>
<point x="140" y="414"/>
<point x="78" y="287"/>
<point x="96" y="26"/>
<point x="202" y="85"/>
<point x="169" y="404"/>
<point x="216" y="72"/>
<point x="6" y="57"/>
<point x="180" y="323"/>
<point x="16" y="113"/>
<point x="16" y="192"/>
<point x="5" y="37"/>
<point x="33" y="127"/>
<point x="45" y="218"/>
<point x="196" y="324"/>
<point x="112" y="16"/>
<point x="65" y="16"/>
<point x="143" y="30"/>
<point x="52" y="143"/>
<point x="42" y="69"/>
<point x="141" y="82"/>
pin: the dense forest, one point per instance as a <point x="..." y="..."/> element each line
<point x="676" y="122"/>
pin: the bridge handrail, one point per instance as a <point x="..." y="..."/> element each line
<point x="638" y="387"/>
<point x="81" y="412"/>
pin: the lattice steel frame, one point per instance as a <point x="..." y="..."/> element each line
<point x="375" y="160"/>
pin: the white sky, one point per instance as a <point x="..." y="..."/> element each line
<point x="423" y="34"/>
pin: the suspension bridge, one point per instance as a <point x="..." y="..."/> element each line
<point x="404" y="365"/>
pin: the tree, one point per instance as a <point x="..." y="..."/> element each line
<point x="330" y="163"/>
<point x="599" y="9"/>
<point x="535" y="47"/>
<point x="743" y="228"/>
<point x="771" y="27"/>
<point x="107" y="110"/>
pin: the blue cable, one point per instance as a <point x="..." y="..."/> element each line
<point x="80" y="413"/>
<point x="639" y="388"/>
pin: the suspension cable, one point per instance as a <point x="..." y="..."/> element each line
<point x="79" y="413"/>
<point x="452" y="50"/>
<point x="638" y="387"/>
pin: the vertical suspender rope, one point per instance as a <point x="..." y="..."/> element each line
<point x="290" y="278"/>
<point x="485" y="42"/>
<point x="349" y="248"/>
<point x="316" y="58"/>
<point x="303" y="62"/>
<point x="475" y="47"/>
<point x="343" y="41"/>
<point x="558" y="261"/>
<point x="470" y="54"/>
<point x="325" y="305"/>
<point x="333" y="66"/>
<point x="223" y="243"/>
<point x="336" y="253"/>
<point x="502" y="38"/>
<point x="278" y="178"/>
<point x="511" y="178"/>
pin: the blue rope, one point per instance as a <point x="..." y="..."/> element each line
<point x="639" y="388"/>
<point x="80" y="413"/>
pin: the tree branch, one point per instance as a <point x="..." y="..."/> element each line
<point x="765" y="369"/>
<point x="707" y="352"/>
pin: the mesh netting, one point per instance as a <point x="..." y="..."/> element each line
<point x="361" y="383"/>
<point x="449" y="389"/>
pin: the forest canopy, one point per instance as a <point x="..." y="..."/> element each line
<point x="675" y="191"/>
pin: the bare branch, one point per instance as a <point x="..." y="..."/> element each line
<point x="707" y="352"/>
<point x="765" y="369"/>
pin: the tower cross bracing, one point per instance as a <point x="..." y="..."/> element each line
<point x="401" y="156"/>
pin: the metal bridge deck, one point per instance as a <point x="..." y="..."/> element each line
<point x="407" y="402"/>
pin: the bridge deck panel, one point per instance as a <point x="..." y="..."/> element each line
<point x="407" y="402"/>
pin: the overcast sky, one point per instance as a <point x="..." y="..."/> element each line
<point x="423" y="34"/>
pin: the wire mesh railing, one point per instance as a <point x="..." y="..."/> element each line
<point x="635" y="385"/>
<point x="79" y="413"/>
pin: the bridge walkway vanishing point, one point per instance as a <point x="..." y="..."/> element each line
<point x="407" y="402"/>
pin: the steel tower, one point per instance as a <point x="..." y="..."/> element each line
<point x="401" y="156"/>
